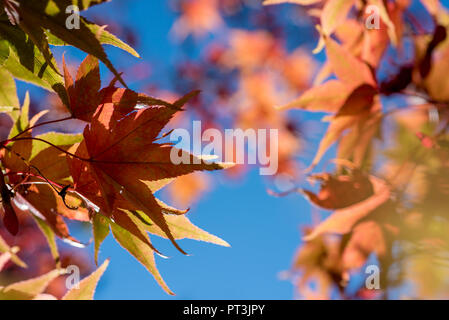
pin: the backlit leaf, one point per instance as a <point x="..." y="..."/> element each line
<point x="87" y="286"/>
<point x="140" y="250"/>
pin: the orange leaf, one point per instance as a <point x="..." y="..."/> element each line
<point x="355" y="109"/>
<point x="119" y="146"/>
<point x="342" y="221"/>
<point x="366" y="238"/>
<point x="334" y="13"/>
<point x="326" y="97"/>
<point x="83" y="95"/>
<point x="340" y="192"/>
<point x="347" y="67"/>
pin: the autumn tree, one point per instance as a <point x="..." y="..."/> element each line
<point x="373" y="70"/>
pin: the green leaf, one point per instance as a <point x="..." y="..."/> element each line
<point x="87" y="286"/>
<point x="180" y="226"/>
<point x="39" y="38"/>
<point x="100" y="228"/>
<point x="8" y="94"/>
<point x="21" y="117"/>
<point x="39" y="73"/>
<point x="53" y="8"/>
<point x="26" y="62"/>
<point x="4" y="247"/>
<point x="140" y="250"/>
<point x="108" y="38"/>
<point x="28" y="289"/>
<point x="105" y="37"/>
<point x="85" y="38"/>
<point x="56" y="138"/>
<point x="51" y="239"/>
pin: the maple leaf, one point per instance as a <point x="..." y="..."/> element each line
<point x="87" y="286"/>
<point x="334" y="13"/>
<point x="33" y="289"/>
<point x="180" y="226"/>
<point x="367" y="238"/>
<point x="85" y="95"/>
<point x="341" y="191"/>
<point x="34" y="26"/>
<point x="119" y="146"/>
<point x="347" y="67"/>
<point x="353" y="99"/>
<point x="318" y="263"/>
<point x="28" y="160"/>
<point x="342" y="220"/>
<point x="28" y="289"/>
<point x="326" y="97"/>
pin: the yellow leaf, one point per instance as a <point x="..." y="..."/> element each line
<point x="87" y="286"/>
